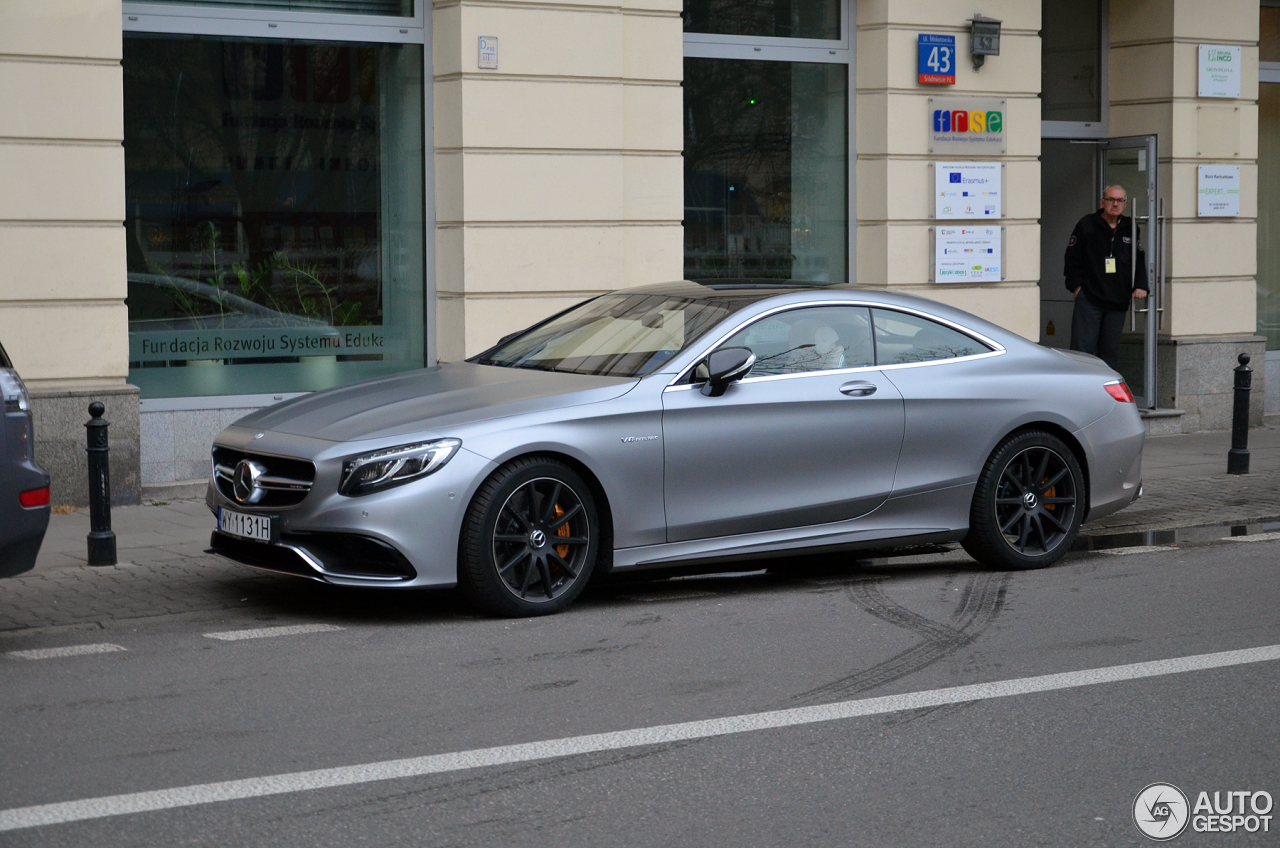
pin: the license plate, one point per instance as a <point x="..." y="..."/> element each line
<point x="245" y="526"/>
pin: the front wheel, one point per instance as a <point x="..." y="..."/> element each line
<point x="529" y="539"/>
<point x="1028" y="505"/>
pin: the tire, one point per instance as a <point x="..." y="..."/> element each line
<point x="529" y="539"/>
<point x="1028" y="504"/>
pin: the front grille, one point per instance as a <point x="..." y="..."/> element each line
<point x="339" y="554"/>
<point x="285" y="483"/>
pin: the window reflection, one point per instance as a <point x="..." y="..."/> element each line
<point x="1071" y="60"/>
<point x="274" y="212"/>
<point x="766" y="150"/>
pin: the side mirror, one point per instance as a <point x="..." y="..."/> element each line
<point x="725" y="366"/>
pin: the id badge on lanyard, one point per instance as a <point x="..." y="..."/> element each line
<point x="1111" y="264"/>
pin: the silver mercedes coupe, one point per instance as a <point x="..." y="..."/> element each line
<point x="689" y="424"/>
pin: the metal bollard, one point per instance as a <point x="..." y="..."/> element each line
<point x="1238" y="456"/>
<point x="102" y="541"/>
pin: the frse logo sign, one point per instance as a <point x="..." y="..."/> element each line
<point x="959" y="121"/>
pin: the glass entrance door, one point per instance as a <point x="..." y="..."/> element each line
<point x="1131" y="162"/>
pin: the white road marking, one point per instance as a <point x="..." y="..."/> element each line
<point x="265" y="632"/>
<point x="1256" y="537"/>
<point x="279" y="784"/>
<point x="69" y="651"/>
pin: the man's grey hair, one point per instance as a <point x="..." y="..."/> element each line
<point x="1116" y="185"/>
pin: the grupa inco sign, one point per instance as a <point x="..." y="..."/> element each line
<point x="966" y="125"/>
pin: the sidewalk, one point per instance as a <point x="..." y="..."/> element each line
<point x="164" y="569"/>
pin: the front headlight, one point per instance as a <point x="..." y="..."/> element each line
<point x="13" y="391"/>
<point x="386" y="468"/>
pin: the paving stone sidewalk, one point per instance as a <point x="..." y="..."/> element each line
<point x="165" y="571"/>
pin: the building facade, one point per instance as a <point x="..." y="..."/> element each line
<point x="212" y="205"/>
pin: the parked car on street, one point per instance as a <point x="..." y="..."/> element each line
<point x="24" y="486"/>
<point x="683" y="423"/>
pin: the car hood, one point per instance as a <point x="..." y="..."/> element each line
<point x="434" y="399"/>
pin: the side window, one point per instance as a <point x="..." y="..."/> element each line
<point x="815" y="338"/>
<point x="909" y="338"/>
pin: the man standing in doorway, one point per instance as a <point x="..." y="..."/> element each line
<point x="1099" y="273"/>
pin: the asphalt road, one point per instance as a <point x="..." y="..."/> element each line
<point x="365" y="678"/>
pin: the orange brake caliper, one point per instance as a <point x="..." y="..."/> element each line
<point x="563" y="550"/>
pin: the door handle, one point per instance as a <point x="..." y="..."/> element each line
<point x="858" y="389"/>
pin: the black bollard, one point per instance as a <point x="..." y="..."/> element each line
<point x="1238" y="456"/>
<point x="102" y="542"/>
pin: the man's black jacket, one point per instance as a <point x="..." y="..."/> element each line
<point x="1091" y="243"/>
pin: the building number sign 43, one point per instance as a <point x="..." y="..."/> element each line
<point x="937" y="55"/>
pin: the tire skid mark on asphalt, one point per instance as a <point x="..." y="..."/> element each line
<point x="981" y="601"/>
<point x="455" y="786"/>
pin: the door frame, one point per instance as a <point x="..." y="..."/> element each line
<point x="1151" y="315"/>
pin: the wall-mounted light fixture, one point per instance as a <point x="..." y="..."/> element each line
<point x="986" y="38"/>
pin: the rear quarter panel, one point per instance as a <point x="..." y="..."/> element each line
<point x="958" y="411"/>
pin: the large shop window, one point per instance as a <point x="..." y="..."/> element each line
<point x="275" y="213"/>
<point x="765" y="158"/>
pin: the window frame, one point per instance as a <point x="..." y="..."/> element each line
<point x="685" y="379"/>
<point x="157" y="18"/>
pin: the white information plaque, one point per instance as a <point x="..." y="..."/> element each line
<point x="1218" y="191"/>
<point x="1219" y="70"/>
<point x="968" y="254"/>
<point x="967" y="191"/>
<point x="488" y="59"/>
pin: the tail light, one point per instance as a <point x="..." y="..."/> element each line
<point x="34" y="497"/>
<point x="1119" y="390"/>
<point x="13" y="391"/>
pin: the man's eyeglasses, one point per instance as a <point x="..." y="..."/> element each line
<point x="1121" y="200"/>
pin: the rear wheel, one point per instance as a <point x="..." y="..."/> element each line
<point x="1028" y="505"/>
<point x="529" y="539"/>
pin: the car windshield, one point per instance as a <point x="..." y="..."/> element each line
<point x="617" y="335"/>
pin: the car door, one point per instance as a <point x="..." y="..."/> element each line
<point x="811" y="435"/>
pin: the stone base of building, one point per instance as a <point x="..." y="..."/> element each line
<point x="59" y="417"/>
<point x="176" y="442"/>
<point x="1197" y="376"/>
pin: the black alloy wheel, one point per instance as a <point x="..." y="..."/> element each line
<point x="529" y="539"/>
<point x="1028" y="504"/>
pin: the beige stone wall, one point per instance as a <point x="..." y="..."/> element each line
<point x="62" y="249"/>
<point x="1211" y="262"/>
<point x="893" y="157"/>
<point x="558" y="175"/>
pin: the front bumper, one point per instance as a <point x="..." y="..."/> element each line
<point x="406" y="536"/>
